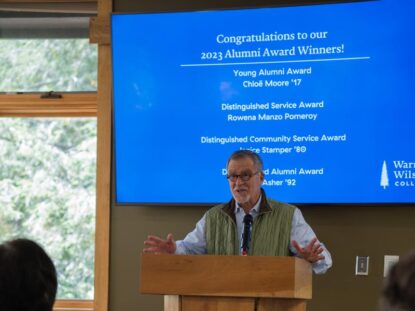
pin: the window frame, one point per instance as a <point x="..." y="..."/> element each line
<point x="73" y="305"/>
<point x="99" y="34"/>
<point x="74" y="104"/>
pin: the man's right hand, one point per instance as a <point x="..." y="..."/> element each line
<point x="154" y="244"/>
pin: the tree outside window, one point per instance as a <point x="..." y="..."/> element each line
<point x="48" y="165"/>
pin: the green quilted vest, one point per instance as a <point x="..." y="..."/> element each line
<point x="271" y="230"/>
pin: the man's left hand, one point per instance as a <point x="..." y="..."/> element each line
<point x="311" y="252"/>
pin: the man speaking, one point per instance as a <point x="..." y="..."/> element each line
<point x="250" y="224"/>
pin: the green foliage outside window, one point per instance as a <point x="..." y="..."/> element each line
<point x="48" y="166"/>
<point x="47" y="193"/>
<point x="35" y="65"/>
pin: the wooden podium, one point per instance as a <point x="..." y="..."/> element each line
<point x="227" y="283"/>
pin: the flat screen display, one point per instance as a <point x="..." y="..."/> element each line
<point x="324" y="93"/>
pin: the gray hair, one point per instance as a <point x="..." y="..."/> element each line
<point x="243" y="154"/>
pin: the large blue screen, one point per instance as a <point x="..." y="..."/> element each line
<point x="324" y="93"/>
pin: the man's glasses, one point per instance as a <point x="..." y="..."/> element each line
<point x="243" y="176"/>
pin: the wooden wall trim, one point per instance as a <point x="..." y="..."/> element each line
<point x="32" y="105"/>
<point x="102" y="235"/>
<point x="104" y="141"/>
<point x="99" y="30"/>
<point x="104" y="8"/>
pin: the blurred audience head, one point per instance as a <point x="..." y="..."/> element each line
<point x="27" y="277"/>
<point x="398" y="293"/>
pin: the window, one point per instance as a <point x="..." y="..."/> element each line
<point x="43" y="65"/>
<point x="48" y="152"/>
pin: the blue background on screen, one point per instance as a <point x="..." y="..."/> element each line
<point x="167" y="100"/>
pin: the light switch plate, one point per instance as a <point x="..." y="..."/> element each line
<point x="362" y="265"/>
<point x="389" y="261"/>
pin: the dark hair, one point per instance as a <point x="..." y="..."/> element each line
<point x="242" y="154"/>
<point x="27" y="277"/>
<point x="398" y="293"/>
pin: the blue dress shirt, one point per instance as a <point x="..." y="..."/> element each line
<point x="195" y="242"/>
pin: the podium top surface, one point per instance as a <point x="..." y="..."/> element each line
<point x="233" y="276"/>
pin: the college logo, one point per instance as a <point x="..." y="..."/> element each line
<point x="384" y="178"/>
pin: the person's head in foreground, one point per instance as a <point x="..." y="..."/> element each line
<point x="398" y="293"/>
<point x="28" y="279"/>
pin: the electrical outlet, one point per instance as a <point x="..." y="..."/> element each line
<point x="362" y="265"/>
<point x="389" y="261"/>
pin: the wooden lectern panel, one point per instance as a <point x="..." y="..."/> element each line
<point x="192" y="303"/>
<point x="203" y="303"/>
<point x="219" y="276"/>
<point x="268" y="304"/>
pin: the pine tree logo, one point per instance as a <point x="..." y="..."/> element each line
<point x="384" y="179"/>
